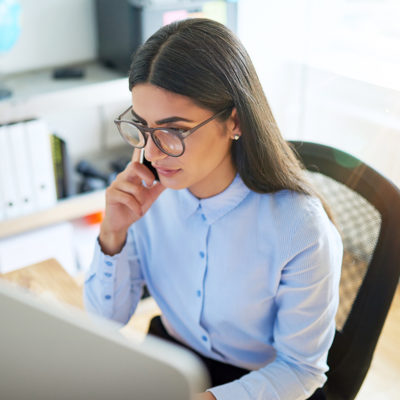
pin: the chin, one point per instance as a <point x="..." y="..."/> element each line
<point x="173" y="183"/>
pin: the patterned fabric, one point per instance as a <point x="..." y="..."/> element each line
<point x="359" y="224"/>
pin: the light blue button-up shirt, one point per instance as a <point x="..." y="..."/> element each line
<point x="244" y="278"/>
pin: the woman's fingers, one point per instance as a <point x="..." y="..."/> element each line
<point x="137" y="154"/>
<point x="136" y="190"/>
<point x="117" y="196"/>
<point x="131" y="185"/>
<point x="137" y="172"/>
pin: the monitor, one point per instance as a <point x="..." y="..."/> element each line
<point x="123" y="25"/>
<point x="50" y="351"/>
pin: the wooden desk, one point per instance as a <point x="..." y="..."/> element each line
<point x="48" y="280"/>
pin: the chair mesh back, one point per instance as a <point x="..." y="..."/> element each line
<point x="359" y="225"/>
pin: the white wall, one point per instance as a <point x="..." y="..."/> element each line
<point x="273" y="34"/>
<point x="54" y="32"/>
<point x="330" y="72"/>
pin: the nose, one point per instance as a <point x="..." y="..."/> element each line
<point x="153" y="153"/>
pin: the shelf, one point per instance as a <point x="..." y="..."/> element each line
<point x="36" y="93"/>
<point x="67" y="209"/>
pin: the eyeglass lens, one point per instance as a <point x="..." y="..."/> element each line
<point x="132" y="134"/>
<point x="165" y="140"/>
<point x="168" y="141"/>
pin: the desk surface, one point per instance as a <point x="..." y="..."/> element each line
<point x="48" y="279"/>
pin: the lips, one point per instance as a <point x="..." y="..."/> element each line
<point x="166" y="171"/>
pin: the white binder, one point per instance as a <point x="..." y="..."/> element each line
<point x="21" y="167"/>
<point x="41" y="163"/>
<point x="9" y="205"/>
<point x="2" y="204"/>
<point x="2" y="198"/>
<point x="2" y="216"/>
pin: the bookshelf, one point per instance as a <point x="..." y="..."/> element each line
<point x="65" y="209"/>
<point x="36" y="94"/>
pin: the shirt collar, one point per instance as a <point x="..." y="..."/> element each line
<point x="214" y="207"/>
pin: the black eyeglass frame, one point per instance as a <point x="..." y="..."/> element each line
<point x="145" y="131"/>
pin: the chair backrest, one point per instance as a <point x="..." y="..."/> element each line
<point x="366" y="209"/>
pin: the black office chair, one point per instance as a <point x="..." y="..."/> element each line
<point x="366" y="209"/>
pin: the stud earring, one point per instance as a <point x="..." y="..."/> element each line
<point x="236" y="137"/>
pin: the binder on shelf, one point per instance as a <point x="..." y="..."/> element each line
<point x="58" y="165"/>
<point x="41" y="164"/>
<point x="18" y="151"/>
<point x="62" y="167"/>
<point x="9" y="205"/>
<point x="2" y="198"/>
<point x="69" y="184"/>
<point x="2" y="216"/>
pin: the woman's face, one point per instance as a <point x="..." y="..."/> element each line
<point x="206" y="167"/>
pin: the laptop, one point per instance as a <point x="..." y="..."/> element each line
<point x="49" y="351"/>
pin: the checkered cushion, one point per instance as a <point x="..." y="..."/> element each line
<point x="359" y="224"/>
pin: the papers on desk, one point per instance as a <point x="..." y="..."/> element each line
<point x="27" y="182"/>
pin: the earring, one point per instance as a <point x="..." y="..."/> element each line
<point x="236" y="137"/>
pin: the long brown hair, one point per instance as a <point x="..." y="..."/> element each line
<point x="202" y="59"/>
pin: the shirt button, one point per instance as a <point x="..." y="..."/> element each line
<point x="108" y="274"/>
<point x="107" y="297"/>
<point x="203" y="217"/>
<point x="198" y="293"/>
<point x="109" y="263"/>
<point x="204" y="338"/>
<point x="201" y="253"/>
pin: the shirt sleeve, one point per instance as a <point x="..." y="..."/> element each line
<point x="114" y="284"/>
<point x="306" y="301"/>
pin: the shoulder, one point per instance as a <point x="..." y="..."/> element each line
<point x="289" y="207"/>
<point x="297" y="217"/>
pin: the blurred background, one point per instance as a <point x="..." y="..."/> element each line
<point x="329" y="69"/>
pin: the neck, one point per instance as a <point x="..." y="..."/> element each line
<point x="216" y="182"/>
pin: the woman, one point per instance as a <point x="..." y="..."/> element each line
<point x="231" y="242"/>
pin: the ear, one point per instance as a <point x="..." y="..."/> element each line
<point x="233" y="125"/>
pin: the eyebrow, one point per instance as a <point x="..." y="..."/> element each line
<point x="162" y="121"/>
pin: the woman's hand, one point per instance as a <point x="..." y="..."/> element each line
<point x="204" y="396"/>
<point x="127" y="200"/>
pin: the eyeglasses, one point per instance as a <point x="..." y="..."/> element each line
<point x="169" y="140"/>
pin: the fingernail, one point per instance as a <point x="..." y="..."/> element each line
<point x="148" y="185"/>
